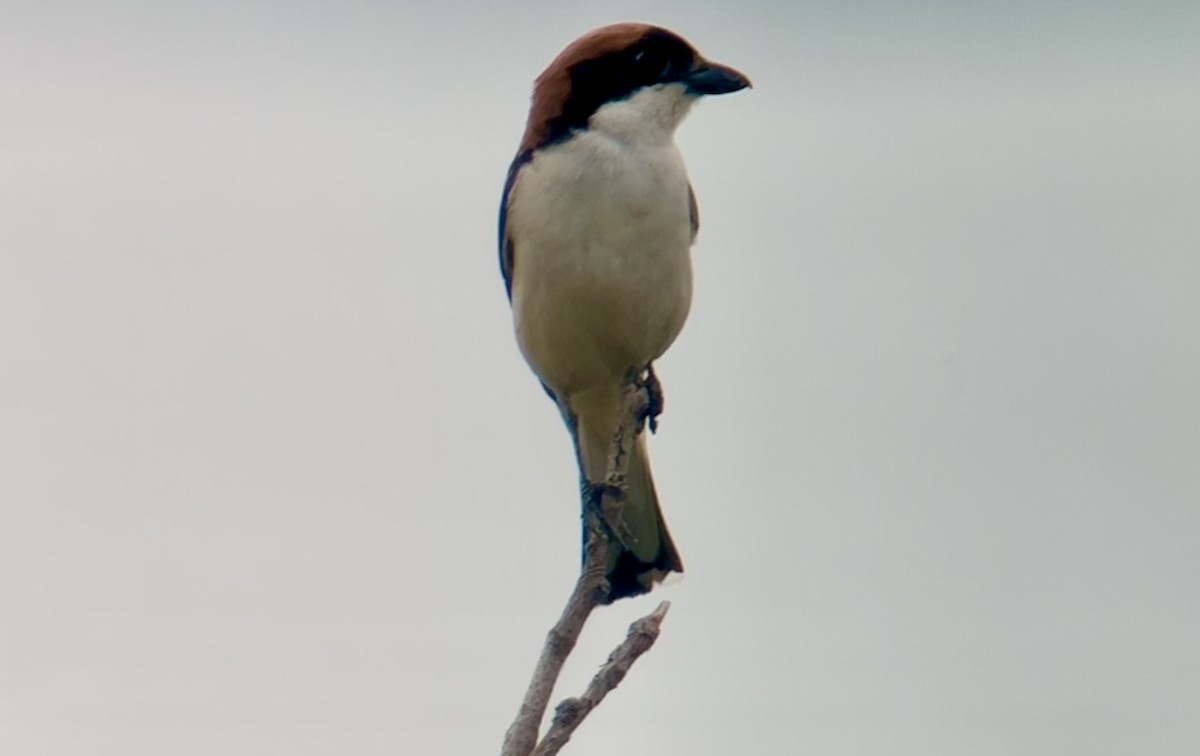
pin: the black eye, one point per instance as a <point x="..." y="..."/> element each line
<point x="646" y="61"/>
<point x="655" y="65"/>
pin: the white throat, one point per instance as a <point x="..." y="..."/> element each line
<point x="649" y="116"/>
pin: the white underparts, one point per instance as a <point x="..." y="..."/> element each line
<point x="601" y="231"/>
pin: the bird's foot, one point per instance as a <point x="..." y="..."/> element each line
<point x="648" y="382"/>
<point x="607" y="502"/>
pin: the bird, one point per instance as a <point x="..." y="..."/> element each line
<point x="597" y="221"/>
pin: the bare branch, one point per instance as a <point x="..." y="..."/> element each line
<point x="635" y="400"/>
<point x="591" y="588"/>
<point x="569" y="714"/>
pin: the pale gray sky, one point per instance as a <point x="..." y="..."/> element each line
<point x="275" y="481"/>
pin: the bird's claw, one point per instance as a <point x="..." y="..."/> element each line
<point x="597" y="492"/>
<point x="610" y="516"/>
<point x="648" y="381"/>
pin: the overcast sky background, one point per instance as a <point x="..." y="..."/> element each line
<point x="274" y="479"/>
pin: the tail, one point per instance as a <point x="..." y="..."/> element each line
<point x="648" y="554"/>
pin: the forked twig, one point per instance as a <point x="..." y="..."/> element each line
<point x="571" y="712"/>
<point x="590" y="589"/>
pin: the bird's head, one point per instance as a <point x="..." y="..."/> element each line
<point x="627" y="79"/>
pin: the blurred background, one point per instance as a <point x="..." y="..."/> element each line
<point x="275" y="480"/>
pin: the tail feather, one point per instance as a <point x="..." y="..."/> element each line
<point x="649" y="554"/>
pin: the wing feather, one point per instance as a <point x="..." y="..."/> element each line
<point x="505" y="242"/>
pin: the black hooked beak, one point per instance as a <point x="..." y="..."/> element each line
<point x="714" y="79"/>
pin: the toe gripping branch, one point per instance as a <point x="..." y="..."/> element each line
<point x="648" y="382"/>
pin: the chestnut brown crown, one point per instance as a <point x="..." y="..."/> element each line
<point x="612" y="63"/>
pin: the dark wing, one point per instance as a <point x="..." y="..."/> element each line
<point x="505" y="243"/>
<point x="693" y="211"/>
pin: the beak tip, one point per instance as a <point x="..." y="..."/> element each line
<point x="715" y="79"/>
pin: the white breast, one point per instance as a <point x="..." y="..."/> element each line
<point x="602" y="277"/>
